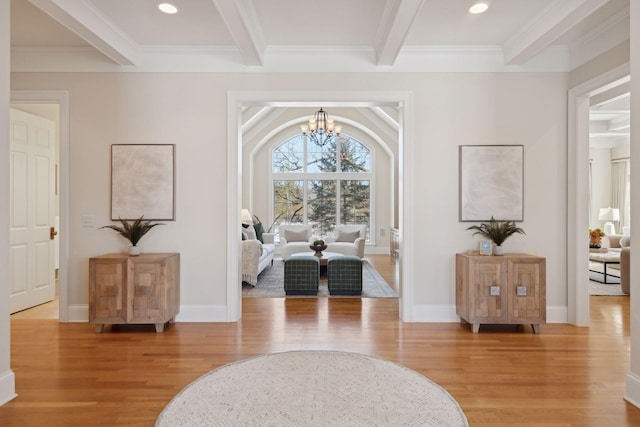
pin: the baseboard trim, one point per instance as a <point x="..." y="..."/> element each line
<point x="78" y="313"/>
<point x="632" y="394"/>
<point x="557" y="314"/>
<point x="188" y="313"/>
<point x="203" y="313"/>
<point x="218" y="313"/>
<point x="434" y="313"/>
<point x="447" y="313"/>
<point x="7" y="387"/>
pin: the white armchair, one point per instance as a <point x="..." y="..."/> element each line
<point x="295" y="238"/>
<point x="348" y="240"/>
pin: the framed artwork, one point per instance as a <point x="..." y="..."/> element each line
<point x="485" y="247"/>
<point x="491" y="182"/>
<point x="143" y="181"/>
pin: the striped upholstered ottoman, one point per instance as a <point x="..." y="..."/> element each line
<point x="344" y="275"/>
<point x="301" y="275"/>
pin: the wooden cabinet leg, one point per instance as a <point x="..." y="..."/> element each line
<point x="536" y="328"/>
<point x="100" y="328"/>
<point x="475" y="327"/>
<point x="159" y="327"/>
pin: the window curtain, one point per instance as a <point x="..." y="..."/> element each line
<point x="590" y="193"/>
<point x="619" y="174"/>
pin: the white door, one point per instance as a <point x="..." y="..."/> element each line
<point x="32" y="210"/>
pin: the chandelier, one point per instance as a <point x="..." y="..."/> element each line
<point x="321" y="129"/>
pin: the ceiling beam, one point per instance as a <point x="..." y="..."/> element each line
<point x="92" y="26"/>
<point x="242" y="22"/>
<point x="613" y="94"/>
<point x="553" y="22"/>
<point x="393" y="28"/>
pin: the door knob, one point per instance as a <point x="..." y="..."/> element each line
<point x="52" y="233"/>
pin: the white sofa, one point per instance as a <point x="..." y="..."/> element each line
<point x="256" y="256"/>
<point x="348" y="240"/>
<point x="295" y="238"/>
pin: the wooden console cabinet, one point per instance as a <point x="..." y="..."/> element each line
<point x="507" y="289"/>
<point x="142" y="289"/>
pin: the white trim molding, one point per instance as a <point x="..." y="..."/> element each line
<point x="236" y="100"/>
<point x="578" y="191"/>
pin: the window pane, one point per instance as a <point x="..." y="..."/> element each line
<point x="288" y="203"/>
<point x="355" y="202"/>
<point x="322" y="206"/>
<point x="321" y="158"/>
<point x="354" y="157"/>
<point x="289" y="156"/>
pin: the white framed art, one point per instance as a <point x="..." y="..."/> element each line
<point x="143" y="181"/>
<point x="491" y="182"/>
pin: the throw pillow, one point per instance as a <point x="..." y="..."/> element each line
<point x="259" y="230"/>
<point x="295" y="236"/>
<point x="625" y="241"/>
<point x="347" y="236"/>
<point x="251" y="233"/>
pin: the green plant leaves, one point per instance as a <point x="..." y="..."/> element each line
<point x="497" y="231"/>
<point x="133" y="230"/>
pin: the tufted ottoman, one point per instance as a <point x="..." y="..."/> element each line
<point x="344" y="275"/>
<point x="301" y="275"/>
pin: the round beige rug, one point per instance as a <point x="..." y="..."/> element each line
<point x="312" y="388"/>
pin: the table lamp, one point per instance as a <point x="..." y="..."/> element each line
<point x="609" y="214"/>
<point x="246" y="217"/>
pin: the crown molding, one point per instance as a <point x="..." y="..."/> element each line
<point x="285" y="59"/>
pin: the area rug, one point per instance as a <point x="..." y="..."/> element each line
<point x="312" y="388"/>
<point x="271" y="284"/>
<point x="602" y="289"/>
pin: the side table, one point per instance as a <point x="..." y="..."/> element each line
<point x="143" y="289"/>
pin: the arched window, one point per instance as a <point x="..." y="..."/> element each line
<point x="323" y="185"/>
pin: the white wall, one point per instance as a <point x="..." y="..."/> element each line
<point x="190" y="111"/>
<point x="7" y="379"/>
<point x="633" y="377"/>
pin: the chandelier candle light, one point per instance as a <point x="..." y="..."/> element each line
<point x="321" y="129"/>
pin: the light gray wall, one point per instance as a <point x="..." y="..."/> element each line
<point x="7" y="382"/>
<point x="633" y="377"/>
<point x="189" y="110"/>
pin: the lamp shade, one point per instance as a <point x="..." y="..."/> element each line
<point x="609" y="214"/>
<point x="246" y="217"/>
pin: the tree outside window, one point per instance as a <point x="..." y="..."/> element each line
<point x="321" y="185"/>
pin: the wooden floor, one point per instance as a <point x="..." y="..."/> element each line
<point x="67" y="375"/>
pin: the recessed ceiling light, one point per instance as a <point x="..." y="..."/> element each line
<point x="478" y="8"/>
<point x="168" y="8"/>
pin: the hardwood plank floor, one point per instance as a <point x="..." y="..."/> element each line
<point x="67" y="375"/>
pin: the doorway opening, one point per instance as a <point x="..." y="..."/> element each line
<point x="240" y="101"/>
<point x="54" y="105"/>
<point x="579" y="104"/>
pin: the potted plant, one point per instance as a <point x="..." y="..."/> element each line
<point x="133" y="230"/>
<point x="497" y="232"/>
